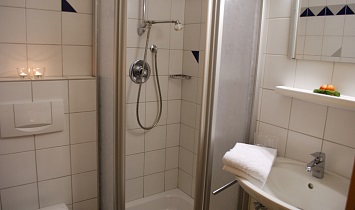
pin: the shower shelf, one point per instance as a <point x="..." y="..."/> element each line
<point x="343" y="102"/>
<point x="180" y="76"/>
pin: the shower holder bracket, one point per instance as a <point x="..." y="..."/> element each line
<point x="137" y="73"/>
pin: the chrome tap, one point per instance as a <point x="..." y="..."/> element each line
<point x="317" y="165"/>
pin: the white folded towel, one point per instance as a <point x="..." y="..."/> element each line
<point x="253" y="160"/>
<point x="61" y="206"/>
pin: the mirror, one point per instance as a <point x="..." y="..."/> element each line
<point x="323" y="30"/>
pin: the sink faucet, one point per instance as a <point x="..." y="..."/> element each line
<point x="317" y="165"/>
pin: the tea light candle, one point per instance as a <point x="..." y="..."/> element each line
<point x="38" y="73"/>
<point x="23" y="72"/>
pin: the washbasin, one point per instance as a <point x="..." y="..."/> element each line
<point x="290" y="186"/>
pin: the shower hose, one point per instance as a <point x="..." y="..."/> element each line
<point x="140" y="84"/>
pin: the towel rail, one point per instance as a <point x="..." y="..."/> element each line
<point x="224" y="187"/>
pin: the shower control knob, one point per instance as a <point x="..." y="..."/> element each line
<point x="138" y="73"/>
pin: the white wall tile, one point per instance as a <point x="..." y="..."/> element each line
<point x="190" y="65"/>
<point x="53" y="163"/>
<point x="172" y="158"/>
<point x="279" y="70"/>
<point x="23" y="197"/>
<point x="51" y="60"/>
<point x="160" y="34"/>
<point x="134" y="141"/>
<point x="77" y="61"/>
<point x="159" y="9"/>
<point x="336" y="154"/>
<point x="83" y="157"/>
<point x="155" y="138"/>
<point x="188" y="113"/>
<point x="334" y="25"/>
<point x="55" y="191"/>
<point x="275" y="109"/>
<point x="43" y="27"/>
<point x="277" y="42"/>
<point x="185" y="182"/>
<point x="152" y="88"/>
<point x="82" y="95"/>
<point x="134" y="166"/>
<point x="84" y="186"/>
<point x="174" y="92"/>
<point x="300" y="146"/>
<point x="187" y="137"/>
<point x="91" y="204"/>
<point x="176" y="38"/>
<point x="133" y="39"/>
<point x="152" y="112"/>
<point x="131" y="118"/>
<point x="17" y="169"/>
<point x="174" y="111"/>
<point x="44" y="4"/>
<point x="313" y="74"/>
<point x="343" y="78"/>
<point x="134" y="9"/>
<point x="315" y="26"/>
<point x="348" y="49"/>
<point x="308" y="118"/>
<point x="192" y="11"/>
<point x="280" y="9"/>
<point x="197" y="139"/>
<point x="178" y="10"/>
<point x="15" y="92"/>
<point x="192" y="37"/>
<point x="154" y="161"/>
<point x="13" y="31"/>
<point x="281" y="133"/>
<point x="153" y="184"/>
<point x="186" y="160"/>
<point x="313" y="47"/>
<point x="339" y="127"/>
<point x="348" y="25"/>
<point x="19" y="144"/>
<point x="83" y="127"/>
<point x="81" y="6"/>
<point x="189" y="89"/>
<point x="134" y="189"/>
<point x="203" y="37"/>
<point x="171" y="178"/>
<point x="175" y="64"/>
<point x="51" y="90"/>
<point x="132" y="91"/>
<point x="12" y="56"/>
<point x="77" y="28"/>
<point x="13" y="3"/>
<point x="173" y="135"/>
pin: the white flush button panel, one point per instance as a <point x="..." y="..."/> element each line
<point x="31" y="118"/>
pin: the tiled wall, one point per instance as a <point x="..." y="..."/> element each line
<point x="326" y="31"/>
<point x="42" y="170"/>
<point x="152" y="156"/>
<point x="193" y="62"/>
<point x="303" y="127"/>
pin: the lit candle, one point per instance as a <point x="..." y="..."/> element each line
<point x="22" y="72"/>
<point x="38" y="73"/>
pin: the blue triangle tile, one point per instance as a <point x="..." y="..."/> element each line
<point x="66" y="7"/>
<point x="349" y="11"/>
<point x="305" y="13"/>
<point x="196" y="55"/>
<point x="323" y="12"/>
<point x="328" y="12"/>
<point x="342" y="11"/>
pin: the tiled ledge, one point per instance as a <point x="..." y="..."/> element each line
<point x="17" y="79"/>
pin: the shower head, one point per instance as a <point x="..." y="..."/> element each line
<point x="178" y="26"/>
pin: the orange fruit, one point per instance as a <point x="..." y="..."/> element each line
<point x="323" y="87"/>
<point x="330" y="87"/>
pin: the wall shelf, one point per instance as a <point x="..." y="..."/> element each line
<point x="343" y="102"/>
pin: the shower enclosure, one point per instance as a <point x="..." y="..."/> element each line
<point x="165" y="131"/>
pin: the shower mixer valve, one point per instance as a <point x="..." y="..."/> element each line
<point x="138" y="73"/>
